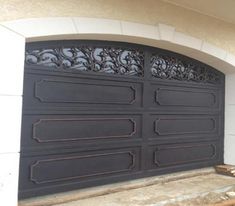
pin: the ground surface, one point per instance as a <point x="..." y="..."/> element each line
<point x="200" y="187"/>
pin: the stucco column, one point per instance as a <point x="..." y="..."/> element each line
<point x="229" y="135"/>
<point x="11" y="83"/>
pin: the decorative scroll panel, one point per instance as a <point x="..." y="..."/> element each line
<point x="112" y="60"/>
<point x="169" y="67"/>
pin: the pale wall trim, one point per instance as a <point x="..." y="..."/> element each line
<point x="160" y="35"/>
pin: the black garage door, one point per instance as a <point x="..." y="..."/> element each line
<point x="102" y="112"/>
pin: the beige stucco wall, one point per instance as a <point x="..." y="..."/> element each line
<point x="150" y="12"/>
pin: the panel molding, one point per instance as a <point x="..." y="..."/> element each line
<point x="41" y="99"/>
<point x="84" y="138"/>
<point x="156" y="129"/>
<point x="158" y="101"/>
<point x="158" y="149"/>
<point x="38" y="162"/>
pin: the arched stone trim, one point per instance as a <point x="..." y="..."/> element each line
<point x="160" y="35"/>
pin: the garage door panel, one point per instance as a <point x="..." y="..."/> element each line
<point x="41" y="171"/>
<point x="46" y="91"/>
<point x="99" y="112"/>
<point x="184" y="98"/>
<point x="171" y="127"/>
<point x="55" y="130"/>
<point x="161" y="156"/>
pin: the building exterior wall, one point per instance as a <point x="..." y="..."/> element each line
<point x="149" y="12"/>
<point x="11" y="86"/>
<point x="204" y="38"/>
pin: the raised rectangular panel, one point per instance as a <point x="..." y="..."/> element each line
<point x="174" y="97"/>
<point x="9" y="179"/>
<point x="50" y="91"/>
<point x="55" y="130"/>
<point x="184" y="126"/>
<point x="169" y="127"/>
<point x="50" y="170"/>
<point x="85" y="166"/>
<point x="70" y="92"/>
<point x="171" y="155"/>
<point x="182" y="97"/>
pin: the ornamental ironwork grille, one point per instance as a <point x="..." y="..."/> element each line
<point x="123" y="61"/>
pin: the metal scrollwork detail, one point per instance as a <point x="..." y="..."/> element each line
<point x="96" y="59"/>
<point x="167" y="67"/>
